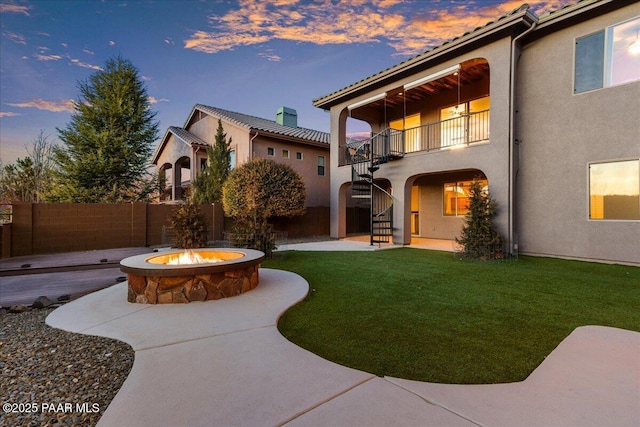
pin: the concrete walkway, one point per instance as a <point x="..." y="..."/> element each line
<point x="224" y="363"/>
<point x="54" y="275"/>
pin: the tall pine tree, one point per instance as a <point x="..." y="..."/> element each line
<point x="208" y="184"/>
<point x="109" y="140"/>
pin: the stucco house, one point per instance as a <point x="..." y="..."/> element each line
<point x="545" y="110"/>
<point x="183" y="151"/>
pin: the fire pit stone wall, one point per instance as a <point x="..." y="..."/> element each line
<point x="183" y="289"/>
<point x="150" y="281"/>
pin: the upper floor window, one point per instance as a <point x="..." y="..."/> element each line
<point x="614" y="190"/>
<point x="232" y="159"/>
<point x="271" y="151"/>
<point x="608" y="58"/>
<point x="321" y="165"/>
<point x="298" y="156"/>
<point x="285" y="154"/>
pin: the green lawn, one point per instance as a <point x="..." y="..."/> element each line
<point x="424" y="315"/>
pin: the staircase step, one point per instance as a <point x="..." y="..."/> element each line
<point x="361" y="196"/>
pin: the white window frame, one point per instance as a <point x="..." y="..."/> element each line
<point x="607" y="59"/>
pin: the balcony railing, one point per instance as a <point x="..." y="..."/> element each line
<point x="447" y="134"/>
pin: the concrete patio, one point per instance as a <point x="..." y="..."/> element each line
<point x="225" y="363"/>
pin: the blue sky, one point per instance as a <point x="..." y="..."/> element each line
<point x="250" y="56"/>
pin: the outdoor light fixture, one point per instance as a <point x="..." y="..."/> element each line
<point x="367" y="101"/>
<point x="432" y="77"/>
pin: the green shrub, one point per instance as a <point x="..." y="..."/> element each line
<point x="190" y="226"/>
<point x="259" y="190"/>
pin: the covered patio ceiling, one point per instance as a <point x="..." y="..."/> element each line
<point x="470" y="71"/>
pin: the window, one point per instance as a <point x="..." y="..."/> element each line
<point x="298" y="156"/>
<point x="285" y="154"/>
<point x="614" y="190"/>
<point x="321" y="165"/>
<point x="271" y="151"/>
<point x="456" y="197"/>
<point x="608" y="58"/>
<point x="232" y="159"/>
<point x="203" y="163"/>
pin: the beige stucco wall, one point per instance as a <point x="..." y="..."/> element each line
<point x="561" y="133"/>
<point x="432" y="221"/>
<point x="317" y="186"/>
<point x="207" y="127"/>
<point x="491" y="158"/>
<point x="174" y="149"/>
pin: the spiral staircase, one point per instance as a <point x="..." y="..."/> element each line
<point x="365" y="158"/>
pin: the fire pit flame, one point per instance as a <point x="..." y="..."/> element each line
<point x="188" y="258"/>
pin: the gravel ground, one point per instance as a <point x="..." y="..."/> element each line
<point x="50" y="377"/>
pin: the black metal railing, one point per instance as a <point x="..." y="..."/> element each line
<point x="381" y="215"/>
<point x="468" y="128"/>
<point x="451" y="133"/>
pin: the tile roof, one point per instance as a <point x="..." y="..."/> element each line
<point x="264" y="125"/>
<point x="186" y="136"/>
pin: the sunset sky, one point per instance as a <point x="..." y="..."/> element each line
<point x="250" y="56"/>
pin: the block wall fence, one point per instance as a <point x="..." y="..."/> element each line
<point x="40" y="228"/>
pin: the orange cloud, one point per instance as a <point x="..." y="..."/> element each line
<point x="15" y="37"/>
<point x="67" y="105"/>
<point x="355" y="21"/>
<point x="14" y="8"/>
<point x="8" y="114"/>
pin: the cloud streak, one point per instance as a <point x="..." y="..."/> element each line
<point x="8" y="114"/>
<point x="65" y="105"/>
<point x="323" y="22"/>
<point x="73" y="61"/>
<point x="14" y="8"/>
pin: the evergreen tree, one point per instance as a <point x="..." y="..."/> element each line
<point x="109" y="140"/>
<point x="208" y="184"/>
<point x="479" y="238"/>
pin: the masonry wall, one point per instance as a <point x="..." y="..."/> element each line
<point x="40" y="228"/>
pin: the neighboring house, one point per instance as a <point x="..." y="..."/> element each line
<point x="544" y="110"/>
<point x="183" y="151"/>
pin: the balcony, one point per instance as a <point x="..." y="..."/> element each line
<point x="456" y="132"/>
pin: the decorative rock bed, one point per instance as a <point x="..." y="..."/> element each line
<point x="151" y="280"/>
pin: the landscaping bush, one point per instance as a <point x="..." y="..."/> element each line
<point x="479" y="238"/>
<point x="190" y="226"/>
<point x="259" y="190"/>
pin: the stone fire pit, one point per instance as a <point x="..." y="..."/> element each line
<point x="217" y="273"/>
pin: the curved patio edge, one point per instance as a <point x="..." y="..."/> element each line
<point x="224" y="362"/>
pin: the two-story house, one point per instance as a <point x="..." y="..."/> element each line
<point x="544" y="110"/>
<point x="182" y="152"/>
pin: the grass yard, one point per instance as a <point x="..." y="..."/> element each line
<point x="424" y="315"/>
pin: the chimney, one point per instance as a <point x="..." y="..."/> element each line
<point x="287" y="117"/>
